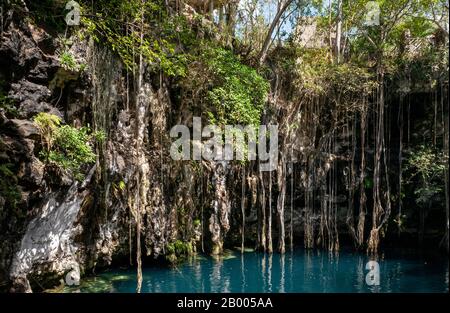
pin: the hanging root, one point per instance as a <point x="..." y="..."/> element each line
<point x="360" y="230"/>
<point x="374" y="241"/>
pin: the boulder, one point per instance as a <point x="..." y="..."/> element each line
<point x="32" y="172"/>
<point x="25" y="128"/>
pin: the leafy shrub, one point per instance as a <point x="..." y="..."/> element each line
<point x="47" y="124"/>
<point x="179" y="248"/>
<point x="68" y="62"/>
<point x="8" y="186"/>
<point x="428" y="166"/>
<point x="162" y="33"/>
<point x="239" y="93"/>
<point x="66" y="146"/>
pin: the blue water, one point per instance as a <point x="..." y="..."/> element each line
<point x="300" y="271"/>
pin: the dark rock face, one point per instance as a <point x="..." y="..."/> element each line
<point x="54" y="228"/>
<point x="24" y="128"/>
<point x="58" y="226"/>
<point x="43" y="222"/>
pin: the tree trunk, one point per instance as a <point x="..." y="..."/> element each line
<point x="211" y="10"/>
<point x="400" y="164"/>
<point x="422" y="216"/>
<point x="138" y="247"/>
<point x="221" y="18"/>
<point x="362" y="196"/>
<point x="281" y="181"/>
<point x="330" y="31"/>
<point x="351" y="185"/>
<point x="446" y="178"/>
<point x="379" y="143"/>
<point x="268" y="40"/>
<point x="231" y="17"/>
<point x="137" y="203"/>
<point x="339" y="32"/>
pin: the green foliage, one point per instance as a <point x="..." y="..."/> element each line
<point x="100" y="137"/>
<point x="65" y="146"/>
<point x="223" y="90"/>
<point x="118" y="188"/>
<point x="368" y="182"/>
<point x="426" y="163"/>
<point x="7" y="104"/>
<point x="47" y="124"/>
<point x="170" y="248"/>
<point x="71" y="149"/>
<point x="237" y="93"/>
<point x="310" y="71"/>
<point x="134" y="28"/>
<point x="429" y="166"/>
<point x="178" y="249"/>
<point x="181" y="247"/>
<point x="197" y="223"/>
<point x="8" y="186"/>
<point x="48" y="12"/>
<point x="68" y="62"/>
<point x="47" y="120"/>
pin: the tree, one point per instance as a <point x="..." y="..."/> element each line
<point x="435" y="11"/>
<point x="429" y="167"/>
<point x="338" y="31"/>
<point x="391" y="13"/>
<point x="281" y="9"/>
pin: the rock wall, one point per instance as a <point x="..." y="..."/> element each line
<point x="60" y="228"/>
<point x="54" y="227"/>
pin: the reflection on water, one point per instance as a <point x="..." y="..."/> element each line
<point x="298" y="271"/>
<point x="282" y="278"/>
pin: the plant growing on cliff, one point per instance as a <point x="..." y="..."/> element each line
<point x="9" y="193"/>
<point x="6" y="104"/>
<point x="429" y="167"/>
<point x="238" y="93"/>
<point x="135" y="29"/>
<point x="47" y="124"/>
<point x="69" y="62"/>
<point x="226" y="90"/>
<point x="178" y="250"/>
<point x="426" y="169"/>
<point x="64" y="145"/>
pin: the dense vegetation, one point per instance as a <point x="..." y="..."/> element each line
<point x="65" y="146"/>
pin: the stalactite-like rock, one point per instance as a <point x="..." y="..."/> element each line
<point x="262" y="244"/>
<point x="219" y="220"/>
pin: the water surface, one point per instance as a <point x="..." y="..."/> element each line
<point x="300" y="271"/>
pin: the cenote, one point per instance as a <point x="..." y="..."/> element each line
<point x="301" y="271"/>
<point x="130" y="134"/>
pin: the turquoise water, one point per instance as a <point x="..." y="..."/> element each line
<point x="300" y="271"/>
